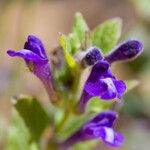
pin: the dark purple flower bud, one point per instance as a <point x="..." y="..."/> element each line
<point x="101" y="83"/>
<point x="92" y="56"/>
<point x="37" y="62"/>
<point x="100" y="127"/>
<point x="125" y="51"/>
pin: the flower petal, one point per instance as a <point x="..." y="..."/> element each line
<point x="121" y="87"/>
<point x="104" y="88"/>
<point x="33" y="39"/>
<point x="34" y="48"/>
<point x="105" y="118"/>
<point x="93" y="89"/>
<point x="109" y="136"/>
<point x="108" y="89"/>
<point x="27" y="55"/>
<point x="99" y="69"/>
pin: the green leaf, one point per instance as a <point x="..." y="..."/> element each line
<point x="64" y="41"/>
<point x="79" y="31"/>
<point x="106" y="35"/>
<point x="97" y="105"/>
<point x="18" y="135"/>
<point x="33" y="114"/>
<point x="130" y="84"/>
<point x="88" y="145"/>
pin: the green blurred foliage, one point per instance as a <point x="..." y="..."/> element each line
<point x="143" y="7"/>
<point x="18" y="136"/>
<point x="131" y="84"/>
<point x="97" y="105"/>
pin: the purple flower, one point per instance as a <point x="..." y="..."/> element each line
<point x="37" y="62"/>
<point x="125" y="51"/>
<point x="93" y="55"/>
<point x="100" y="127"/>
<point x="101" y="83"/>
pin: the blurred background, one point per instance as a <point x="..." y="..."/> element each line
<point x="45" y="18"/>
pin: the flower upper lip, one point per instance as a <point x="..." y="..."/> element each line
<point x="33" y="50"/>
<point x="35" y="45"/>
<point x="104" y="119"/>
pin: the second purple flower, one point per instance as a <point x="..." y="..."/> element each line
<point x="101" y="83"/>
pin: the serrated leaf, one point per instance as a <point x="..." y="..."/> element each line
<point x="18" y="135"/>
<point x="97" y="105"/>
<point x="33" y="114"/>
<point x="130" y="84"/>
<point x="79" y="31"/>
<point x="106" y="35"/>
<point x="64" y="41"/>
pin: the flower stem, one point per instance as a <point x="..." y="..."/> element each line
<point x="63" y="121"/>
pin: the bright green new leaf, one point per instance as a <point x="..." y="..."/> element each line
<point x="130" y="84"/>
<point x="65" y="43"/>
<point x="33" y="114"/>
<point x="106" y="35"/>
<point x="97" y="105"/>
<point x="79" y="32"/>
